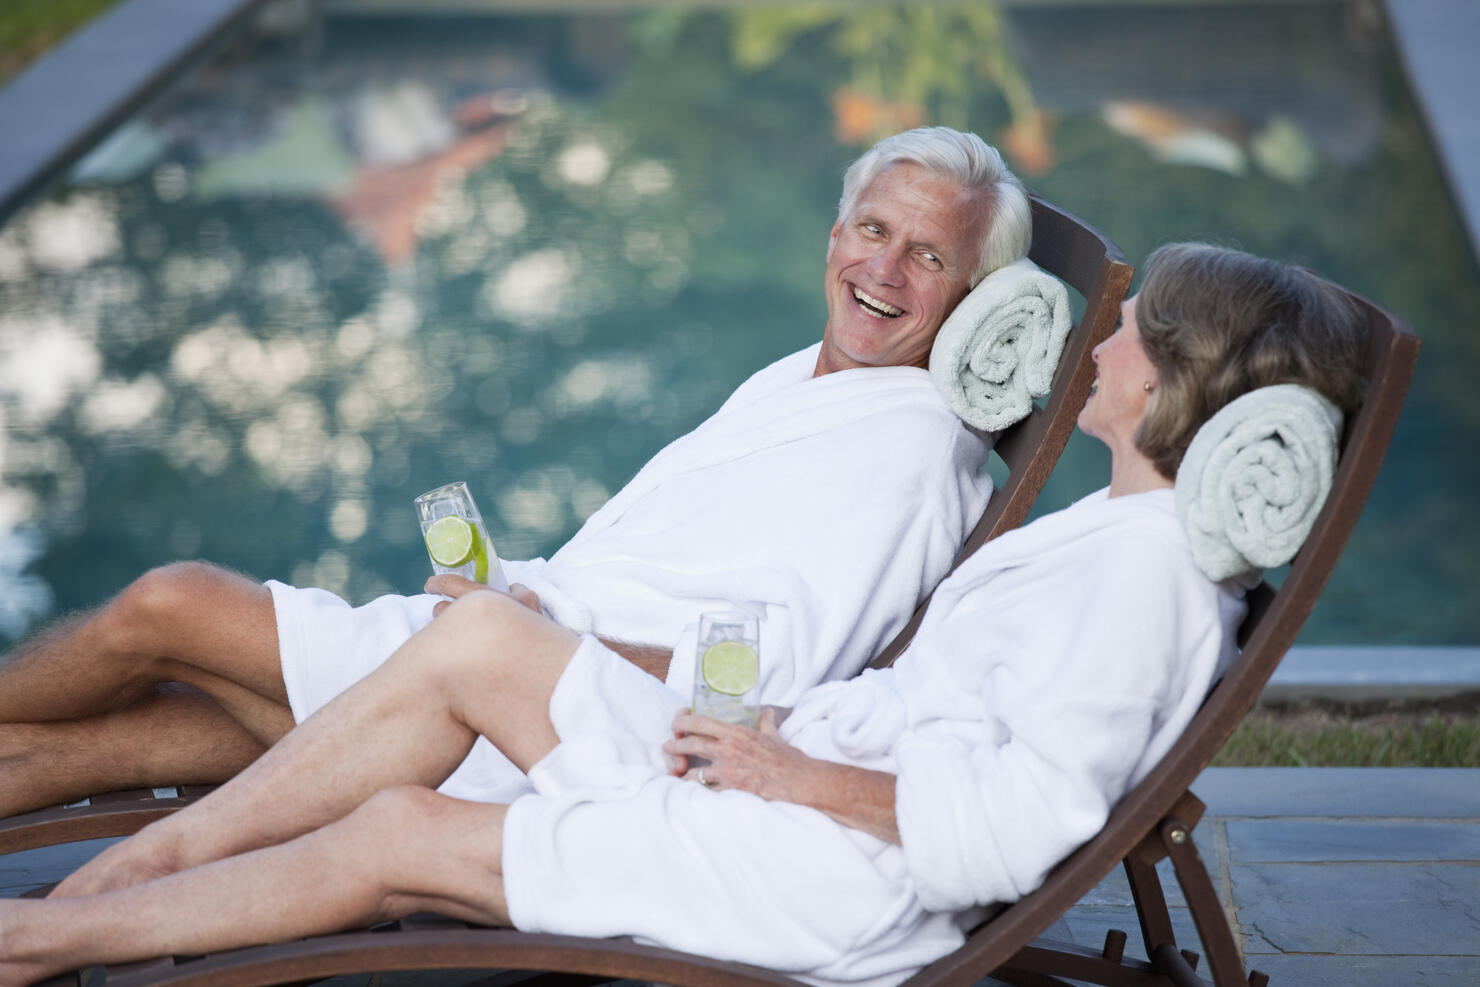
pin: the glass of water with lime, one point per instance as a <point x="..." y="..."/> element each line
<point x="455" y="536"/>
<point x="728" y="670"/>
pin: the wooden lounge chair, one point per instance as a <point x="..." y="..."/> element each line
<point x="1153" y="821"/>
<point x="1082" y="257"/>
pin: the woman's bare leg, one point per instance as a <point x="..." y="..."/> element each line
<point x="485" y="666"/>
<point x="447" y="859"/>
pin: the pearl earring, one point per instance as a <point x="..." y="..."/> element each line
<point x="1147" y="386"/>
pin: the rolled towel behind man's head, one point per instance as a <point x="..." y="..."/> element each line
<point x="1254" y="478"/>
<point x="998" y="350"/>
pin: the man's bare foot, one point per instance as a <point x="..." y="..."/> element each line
<point x="146" y="855"/>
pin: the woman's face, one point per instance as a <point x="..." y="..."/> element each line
<point x="1119" y="395"/>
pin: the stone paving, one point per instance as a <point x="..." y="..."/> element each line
<point x="1365" y="877"/>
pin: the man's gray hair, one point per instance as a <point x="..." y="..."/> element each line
<point x="974" y="165"/>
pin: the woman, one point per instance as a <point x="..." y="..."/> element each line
<point x="1051" y="672"/>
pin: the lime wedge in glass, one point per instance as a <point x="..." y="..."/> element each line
<point x="451" y="542"/>
<point x="480" y="558"/>
<point x="730" y="667"/>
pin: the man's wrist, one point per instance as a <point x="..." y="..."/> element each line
<point x="652" y="659"/>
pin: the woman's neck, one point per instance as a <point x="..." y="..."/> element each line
<point x="1132" y="473"/>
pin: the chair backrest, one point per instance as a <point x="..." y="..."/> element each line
<point x="1273" y="620"/>
<point x="1090" y="263"/>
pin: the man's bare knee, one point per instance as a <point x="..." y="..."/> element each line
<point x="143" y="616"/>
<point x="198" y="615"/>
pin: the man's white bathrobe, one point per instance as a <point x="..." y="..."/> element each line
<point x="1051" y="671"/>
<point x="830" y="506"/>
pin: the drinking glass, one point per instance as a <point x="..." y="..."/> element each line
<point x="455" y="537"/>
<point x="727" y="667"/>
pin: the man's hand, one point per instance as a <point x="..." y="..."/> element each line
<point x="448" y="584"/>
<point x="650" y="658"/>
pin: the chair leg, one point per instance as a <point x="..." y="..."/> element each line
<point x="1177" y="965"/>
<point x="1225" y="959"/>
<point x="1151" y="904"/>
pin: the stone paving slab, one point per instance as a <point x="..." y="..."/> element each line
<point x="1370" y="971"/>
<point x="1359" y="909"/>
<point x="1300" y="841"/>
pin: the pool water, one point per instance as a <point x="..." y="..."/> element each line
<point x="358" y="256"/>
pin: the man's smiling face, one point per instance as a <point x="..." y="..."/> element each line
<point x="896" y="267"/>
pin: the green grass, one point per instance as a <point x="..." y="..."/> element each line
<point x="29" y="27"/>
<point x="1395" y="735"/>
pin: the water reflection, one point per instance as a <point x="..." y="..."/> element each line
<point x="526" y="251"/>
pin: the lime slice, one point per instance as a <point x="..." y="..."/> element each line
<point x="451" y="542"/>
<point x="480" y="558"/>
<point x="730" y="667"/>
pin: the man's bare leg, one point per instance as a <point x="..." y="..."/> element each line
<point x="89" y="687"/>
<point x="448" y="859"/>
<point x="486" y="666"/>
<point x="175" y="736"/>
<point x="188" y="622"/>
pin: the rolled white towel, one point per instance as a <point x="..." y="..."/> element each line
<point x="1255" y="477"/>
<point x="998" y="350"/>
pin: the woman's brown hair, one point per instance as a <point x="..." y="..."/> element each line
<point x="1218" y="323"/>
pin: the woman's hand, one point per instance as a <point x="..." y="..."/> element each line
<point x="449" y="584"/>
<point x="760" y="762"/>
<point x="756" y="761"/>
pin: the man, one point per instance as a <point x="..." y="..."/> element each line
<point x="829" y="493"/>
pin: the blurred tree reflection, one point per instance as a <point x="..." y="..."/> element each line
<point x="906" y="66"/>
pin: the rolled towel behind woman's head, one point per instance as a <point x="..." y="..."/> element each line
<point x="998" y="350"/>
<point x="1255" y="477"/>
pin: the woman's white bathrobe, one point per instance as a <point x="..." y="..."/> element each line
<point x="830" y="505"/>
<point x="1052" y="670"/>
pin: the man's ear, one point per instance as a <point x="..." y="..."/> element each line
<point x="832" y="239"/>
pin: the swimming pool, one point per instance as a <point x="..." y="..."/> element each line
<point x="359" y="255"/>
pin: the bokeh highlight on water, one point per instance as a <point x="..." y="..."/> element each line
<point x="358" y="256"/>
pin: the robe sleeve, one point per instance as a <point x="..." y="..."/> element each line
<point x="1074" y="693"/>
